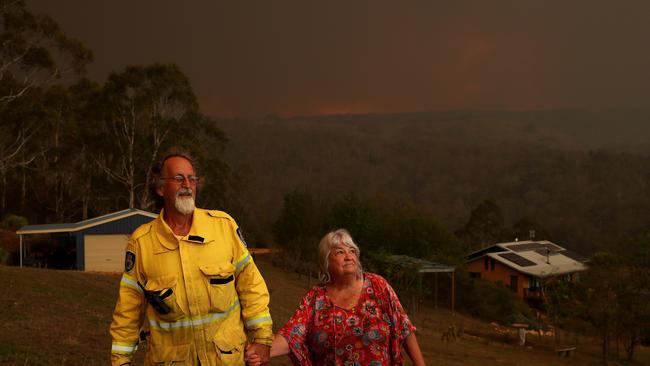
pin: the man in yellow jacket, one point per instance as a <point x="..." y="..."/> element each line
<point x="189" y="286"/>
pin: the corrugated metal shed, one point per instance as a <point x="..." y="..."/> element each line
<point x="120" y="222"/>
<point x="423" y="266"/>
<point x="143" y="216"/>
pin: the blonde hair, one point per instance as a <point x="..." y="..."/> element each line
<point x="339" y="237"/>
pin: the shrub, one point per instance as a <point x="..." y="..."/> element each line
<point x="488" y="300"/>
<point x="4" y="256"/>
<point x="9" y="248"/>
<point x="13" y="222"/>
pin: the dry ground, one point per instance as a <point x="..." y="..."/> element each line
<point x="51" y="317"/>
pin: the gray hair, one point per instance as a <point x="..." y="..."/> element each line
<point x="339" y="237"/>
<point x="157" y="170"/>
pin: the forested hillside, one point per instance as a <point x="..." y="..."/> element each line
<point x="74" y="149"/>
<point x="582" y="176"/>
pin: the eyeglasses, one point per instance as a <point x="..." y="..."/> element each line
<point x="180" y="178"/>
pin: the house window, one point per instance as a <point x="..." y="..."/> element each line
<point x="535" y="283"/>
<point x="568" y="278"/>
<point x="514" y="283"/>
<point x="475" y="274"/>
<point x="485" y="262"/>
<point x="492" y="263"/>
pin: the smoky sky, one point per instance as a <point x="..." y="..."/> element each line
<point x="301" y="57"/>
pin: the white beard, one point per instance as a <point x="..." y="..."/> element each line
<point x="184" y="204"/>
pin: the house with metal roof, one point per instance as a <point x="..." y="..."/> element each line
<point x="95" y="244"/>
<point x="524" y="266"/>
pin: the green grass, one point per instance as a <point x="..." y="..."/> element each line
<point x="53" y="317"/>
<point x="12" y="352"/>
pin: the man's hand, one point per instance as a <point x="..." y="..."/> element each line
<point x="257" y="354"/>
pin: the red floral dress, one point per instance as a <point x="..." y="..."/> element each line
<point x="370" y="334"/>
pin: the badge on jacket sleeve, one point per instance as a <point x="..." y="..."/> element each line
<point x="129" y="261"/>
<point x="241" y="237"/>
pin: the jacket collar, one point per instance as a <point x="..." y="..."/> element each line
<point x="199" y="233"/>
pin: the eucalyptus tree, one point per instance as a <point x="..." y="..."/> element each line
<point x="146" y="109"/>
<point x="299" y="225"/>
<point x="635" y="294"/>
<point x="19" y="125"/>
<point x="486" y="226"/>
<point x="357" y="214"/>
<point x="615" y="295"/>
<point x="86" y="109"/>
<point x="35" y="51"/>
<point x="64" y="167"/>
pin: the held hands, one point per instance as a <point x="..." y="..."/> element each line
<point x="257" y="354"/>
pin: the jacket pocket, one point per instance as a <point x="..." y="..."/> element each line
<point x="169" y="355"/>
<point x="230" y="345"/>
<point x="220" y="281"/>
<point x="165" y="289"/>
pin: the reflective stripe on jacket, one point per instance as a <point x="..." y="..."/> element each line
<point x="217" y="294"/>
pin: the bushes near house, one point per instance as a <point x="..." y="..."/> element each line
<point x="13" y="222"/>
<point x="9" y="247"/>
<point x="489" y="300"/>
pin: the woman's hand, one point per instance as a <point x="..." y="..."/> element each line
<point x="254" y="358"/>
<point x="251" y="357"/>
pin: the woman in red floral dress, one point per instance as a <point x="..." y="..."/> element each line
<point x="351" y="318"/>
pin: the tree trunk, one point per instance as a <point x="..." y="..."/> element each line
<point x="158" y="139"/>
<point x="3" y="172"/>
<point x="23" y="190"/>
<point x="131" y="161"/>
<point x="58" y="180"/>
<point x="631" y="344"/>
<point x="23" y="177"/>
<point x="85" y="192"/>
<point x="605" y="347"/>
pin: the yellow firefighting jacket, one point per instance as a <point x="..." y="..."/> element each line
<point x="211" y="288"/>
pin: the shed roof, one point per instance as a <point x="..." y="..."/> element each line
<point x="81" y="225"/>
<point x="423" y="265"/>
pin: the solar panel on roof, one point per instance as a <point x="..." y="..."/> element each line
<point x="525" y="246"/>
<point x="573" y="255"/>
<point x="533" y="246"/>
<point x="517" y="259"/>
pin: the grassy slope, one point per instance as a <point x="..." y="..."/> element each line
<point x="54" y="317"/>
